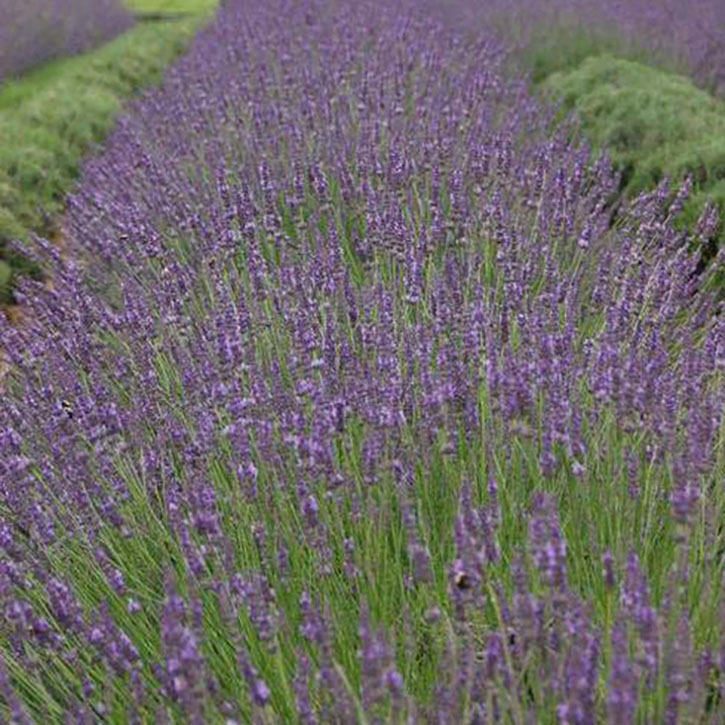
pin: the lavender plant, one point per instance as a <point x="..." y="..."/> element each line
<point x="35" y="31"/>
<point x="349" y="404"/>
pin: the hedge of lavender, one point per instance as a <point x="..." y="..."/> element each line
<point x="693" y="39"/>
<point x="35" y="31"/>
<point x="348" y="404"/>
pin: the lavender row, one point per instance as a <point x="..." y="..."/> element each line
<point x="35" y="31"/>
<point x="350" y="391"/>
<point x="694" y="40"/>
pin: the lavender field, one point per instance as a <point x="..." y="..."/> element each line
<point x="34" y="31"/>
<point x="351" y="401"/>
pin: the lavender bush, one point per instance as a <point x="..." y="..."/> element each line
<point x="35" y="31"/>
<point x="349" y="404"/>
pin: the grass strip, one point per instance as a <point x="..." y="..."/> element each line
<point x="171" y="6"/>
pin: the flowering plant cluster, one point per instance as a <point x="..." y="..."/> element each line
<point x="351" y="402"/>
<point x="35" y="31"/>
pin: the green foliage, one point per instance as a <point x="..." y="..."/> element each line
<point x="171" y="6"/>
<point x="50" y="118"/>
<point x="654" y="124"/>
